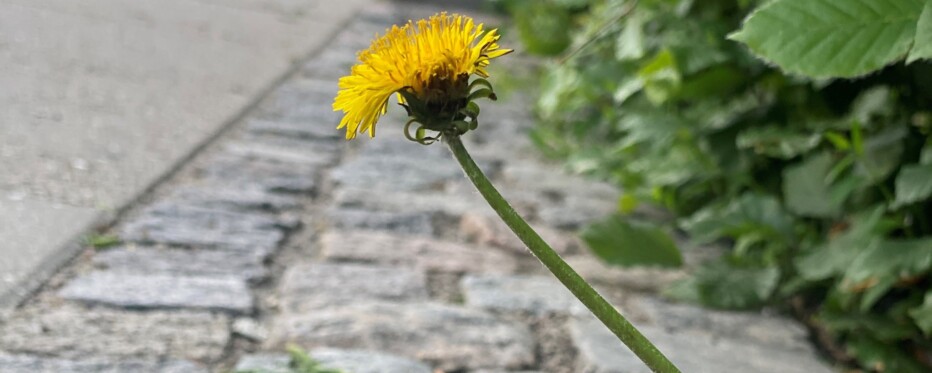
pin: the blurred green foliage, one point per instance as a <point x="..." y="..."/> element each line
<point x="821" y="184"/>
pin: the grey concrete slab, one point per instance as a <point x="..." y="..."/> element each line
<point x="103" y="98"/>
<point x="34" y="242"/>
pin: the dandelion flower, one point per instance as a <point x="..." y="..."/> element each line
<point x="429" y="61"/>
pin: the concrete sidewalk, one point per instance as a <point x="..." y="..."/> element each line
<point x="102" y="98"/>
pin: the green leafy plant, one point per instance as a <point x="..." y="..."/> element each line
<point x="102" y="241"/>
<point x="300" y="362"/>
<point x="798" y="131"/>
<point x="620" y="241"/>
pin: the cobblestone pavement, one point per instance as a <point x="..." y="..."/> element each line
<point x="376" y="256"/>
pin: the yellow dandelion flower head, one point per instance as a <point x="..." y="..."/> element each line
<point x="431" y="59"/>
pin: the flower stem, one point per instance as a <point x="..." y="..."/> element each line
<point x="627" y="333"/>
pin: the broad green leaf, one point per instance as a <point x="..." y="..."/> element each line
<point x="662" y="65"/>
<point x="571" y="4"/>
<point x="922" y="315"/>
<point x="543" y="26"/>
<point x="750" y="213"/>
<point x="670" y="167"/>
<point x="696" y="43"/>
<point x="556" y="86"/>
<point x="874" y="102"/>
<point x="661" y="77"/>
<point x="684" y="290"/>
<point x="901" y="258"/>
<point x="732" y="162"/>
<point x="777" y="142"/>
<point x="877" y="290"/>
<point x="880" y="356"/>
<point x="881" y="154"/>
<point x="926" y="156"/>
<point x="716" y="114"/>
<point x="716" y="81"/>
<point x="823" y="262"/>
<point x="844" y="187"/>
<point x="834" y="258"/>
<point x="829" y="38"/>
<point x="623" y="242"/>
<point x="841" y="320"/>
<point x="885" y="263"/>
<point x="807" y="190"/>
<point x="630" y="42"/>
<point x="627" y="88"/>
<point x="650" y="126"/>
<point x="913" y="184"/>
<point x="726" y="286"/>
<point x="922" y="46"/>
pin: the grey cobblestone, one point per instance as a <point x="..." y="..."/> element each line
<point x="312" y="286"/>
<point x="401" y="150"/>
<point x="751" y="328"/>
<point x="293" y="129"/>
<point x="400" y="222"/>
<point x="265" y="363"/>
<point x="411" y="251"/>
<point x="71" y="332"/>
<point x="574" y="212"/>
<point x="409" y="172"/>
<point x="487" y="229"/>
<point x="250" y="329"/>
<point x="567" y="202"/>
<point x="537" y="295"/>
<point x="154" y="291"/>
<point x="644" y="279"/>
<point x="600" y="352"/>
<point x="263" y="174"/>
<point x="448" y="337"/>
<point x="181" y="262"/>
<point x="237" y="199"/>
<point x="40" y="364"/>
<point x="305" y="100"/>
<point x="350" y="361"/>
<point x="278" y="150"/>
<point x="175" y="223"/>
<point x="440" y="202"/>
<point x="335" y="62"/>
<point x="544" y="178"/>
<point x="396" y="164"/>
<point x="331" y="65"/>
<point x="503" y="133"/>
<point x="359" y="361"/>
<point x="326" y="152"/>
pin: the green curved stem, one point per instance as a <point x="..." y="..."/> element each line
<point x="627" y="333"/>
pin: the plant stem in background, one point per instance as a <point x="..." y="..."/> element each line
<point x="624" y="330"/>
